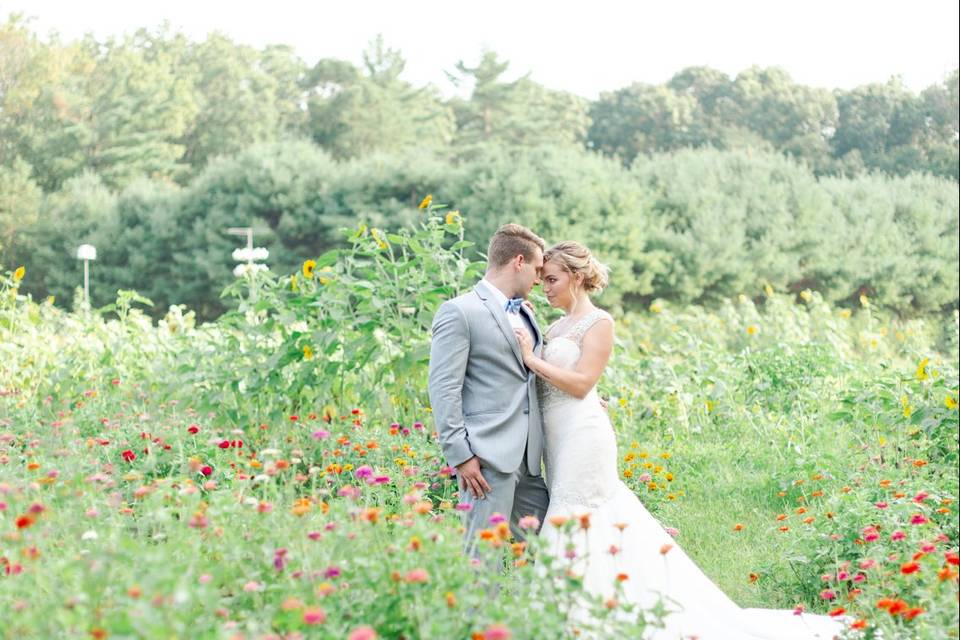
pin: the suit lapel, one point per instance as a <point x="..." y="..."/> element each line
<point x="537" y="338"/>
<point x="500" y="316"/>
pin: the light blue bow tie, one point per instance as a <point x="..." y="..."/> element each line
<point x="513" y="305"/>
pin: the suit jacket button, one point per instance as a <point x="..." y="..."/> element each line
<point x="526" y="410"/>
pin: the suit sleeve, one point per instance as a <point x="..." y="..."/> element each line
<point x="448" y="364"/>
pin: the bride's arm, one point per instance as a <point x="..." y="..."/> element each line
<point x="594" y="354"/>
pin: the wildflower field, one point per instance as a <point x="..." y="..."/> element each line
<point x="275" y="474"/>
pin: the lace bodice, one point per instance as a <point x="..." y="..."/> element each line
<point x="581" y="450"/>
<point x="563" y="350"/>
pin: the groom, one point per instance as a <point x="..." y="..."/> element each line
<point x="484" y="399"/>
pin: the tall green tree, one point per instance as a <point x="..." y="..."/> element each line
<point x="140" y="107"/>
<point x="518" y="112"/>
<point x="642" y="119"/>
<point x="44" y="105"/>
<point x="356" y="112"/>
<point x="238" y="104"/>
<point x="20" y="200"/>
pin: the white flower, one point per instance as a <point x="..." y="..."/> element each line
<point x="89" y="535"/>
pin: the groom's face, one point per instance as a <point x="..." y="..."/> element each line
<point x="528" y="274"/>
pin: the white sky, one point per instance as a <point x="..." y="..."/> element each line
<point x="583" y="47"/>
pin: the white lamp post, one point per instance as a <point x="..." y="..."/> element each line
<point x="249" y="255"/>
<point x="86" y="252"/>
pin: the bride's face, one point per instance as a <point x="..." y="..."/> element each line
<point x="558" y="285"/>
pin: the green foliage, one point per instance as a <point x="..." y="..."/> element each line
<point x="355" y="114"/>
<point x="191" y="138"/>
<point x="19" y="202"/>
<point x="353" y="321"/>
<point x="215" y="467"/>
<point x="516" y="113"/>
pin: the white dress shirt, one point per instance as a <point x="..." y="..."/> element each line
<point x="517" y="320"/>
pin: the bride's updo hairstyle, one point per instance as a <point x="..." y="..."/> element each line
<point x="575" y="258"/>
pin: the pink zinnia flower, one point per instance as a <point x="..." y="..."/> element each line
<point x="918" y="518"/>
<point x="321" y="434"/>
<point x="417" y="576"/>
<point x="332" y="572"/>
<point x="314" y="615"/>
<point x="349" y="491"/>
<point x="897" y="535"/>
<point x="363" y="472"/>
<point x="827" y="594"/>
<point x="881" y="505"/>
<point x="497" y="518"/>
<point x="363" y="633"/>
<point x="497" y="632"/>
<point x="529" y="523"/>
<point x="279" y="559"/>
<point x="464" y="506"/>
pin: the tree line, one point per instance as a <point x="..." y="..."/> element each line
<point x="156" y="103"/>
<point x="151" y="145"/>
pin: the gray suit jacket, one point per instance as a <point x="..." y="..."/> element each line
<point x="484" y="399"/>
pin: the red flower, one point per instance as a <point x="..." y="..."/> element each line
<point x="206" y="470"/>
<point x="225" y="444"/>
<point x="193" y="429"/>
<point x="898" y="607"/>
<point x="839" y="611"/>
<point x="128" y="455"/>
<point x="909" y="567"/>
<point x="25" y="521"/>
<point x="294" y="418"/>
<point x="912" y="613"/>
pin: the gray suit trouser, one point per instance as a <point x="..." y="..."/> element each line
<point x="513" y="495"/>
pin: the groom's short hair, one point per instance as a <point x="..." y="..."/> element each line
<point x="510" y="241"/>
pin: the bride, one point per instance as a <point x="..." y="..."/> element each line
<point x="623" y="542"/>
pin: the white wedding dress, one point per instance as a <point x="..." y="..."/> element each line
<point x="582" y="477"/>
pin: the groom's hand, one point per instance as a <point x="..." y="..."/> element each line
<point x="470" y="478"/>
